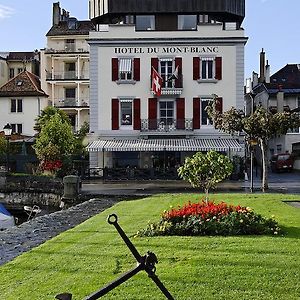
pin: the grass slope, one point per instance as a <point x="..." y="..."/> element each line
<point x="85" y="258"/>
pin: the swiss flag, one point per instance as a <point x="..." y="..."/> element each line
<point x="156" y="82"/>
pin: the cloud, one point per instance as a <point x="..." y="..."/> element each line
<point x="5" y="11"/>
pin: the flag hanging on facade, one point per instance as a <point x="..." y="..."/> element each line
<point x="174" y="74"/>
<point x="156" y="82"/>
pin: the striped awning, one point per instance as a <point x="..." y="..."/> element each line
<point x="165" y="145"/>
<point x="125" y="65"/>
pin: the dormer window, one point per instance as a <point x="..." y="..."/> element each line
<point x="145" y="22"/>
<point x="19" y="82"/>
<point x="187" y="22"/>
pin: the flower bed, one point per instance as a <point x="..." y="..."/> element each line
<point x="209" y="218"/>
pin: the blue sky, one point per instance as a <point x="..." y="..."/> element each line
<point x="269" y="24"/>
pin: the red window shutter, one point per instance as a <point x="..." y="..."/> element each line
<point x="178" y="63"/>
<point x="218" y="68"/>
<point x="115" y="114"/>
<point x="180" y="113"/>
<point x="114" y="69"/>
<point x="196" y="68"/>
<point x="196" y="113"/>
<point x="137" y="114"/>
<point x="219" y="104"/>
<point x="154" y="64"/>
<point x="136" y="69"/>
<point x="152" y="113"/>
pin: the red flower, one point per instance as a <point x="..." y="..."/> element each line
<point x="52" y="165"/>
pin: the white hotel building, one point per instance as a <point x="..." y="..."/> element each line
<point x="198" y="49"/>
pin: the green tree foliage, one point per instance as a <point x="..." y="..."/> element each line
<point x="80" y="139"/>
<point x="205" y="170"/>
<point x="262" y="126"/>
<point x="55" y="140"/>
<point x="2" y="145"/>
<point x="45" y="116"/>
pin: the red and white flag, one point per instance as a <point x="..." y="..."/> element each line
<point x="156" y="82"/>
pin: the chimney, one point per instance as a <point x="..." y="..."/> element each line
<point x="56" y="14"/>
<point x="262" y="63"/>
<point x="248" y="86"/>
<point x="267" y="72"/>
<point x="254" y="79"/>
<point x="280" y="99"/>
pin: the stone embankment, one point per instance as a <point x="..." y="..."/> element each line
<point x="18" y="239"/>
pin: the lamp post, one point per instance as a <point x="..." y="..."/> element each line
<point x="7" y="132"/>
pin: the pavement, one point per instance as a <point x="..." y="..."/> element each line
<point x="278" y="183"/>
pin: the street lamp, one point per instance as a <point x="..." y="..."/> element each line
<point x="7" y="132"/>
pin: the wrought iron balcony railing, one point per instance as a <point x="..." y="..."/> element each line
<point x="70" y="102"/>
<point x="168" y="125"/>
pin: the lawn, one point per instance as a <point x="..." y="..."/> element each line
<point x="85" y="258"/>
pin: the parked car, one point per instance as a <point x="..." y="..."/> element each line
<point x="282" y="162"/>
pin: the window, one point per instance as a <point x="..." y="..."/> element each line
<point x="187" y="22"/>
<point x="70" y="70"/>
<point x="166" y="71"/>
<point x="20" y="70"/>
<point x="207" y="68"/>
<point x="16" y="105"/>
<point x="166" y="112"/>
<point x="125" y="69"/>
<point x="11" y="72"/>
<point x="70" y="93"/>
<point x="70" y="45"/>
<point x="17" y="128"/>
<point x="205" y="121"/>
<point x="146" y="22"/>
<point x="126" y="112"/>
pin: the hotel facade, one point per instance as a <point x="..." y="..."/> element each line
<point x="154" y="68"/>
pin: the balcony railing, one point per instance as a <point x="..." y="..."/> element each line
<point x="71" y="102"/>
<point x="170" y="125"/>
<point x="171" y="87"/>
<point x="67" y="75"/>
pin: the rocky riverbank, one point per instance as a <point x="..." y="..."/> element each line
<point x="18" y="239"/>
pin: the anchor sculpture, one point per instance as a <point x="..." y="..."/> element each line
<point x="146" y="263"/>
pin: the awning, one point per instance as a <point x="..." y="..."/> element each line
<point x="125" y="65"/>
<point x="165" y="145"/>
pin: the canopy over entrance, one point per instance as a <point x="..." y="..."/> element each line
<point x="165" y="145"/>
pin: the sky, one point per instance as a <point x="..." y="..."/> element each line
<point x="269" y="24"/>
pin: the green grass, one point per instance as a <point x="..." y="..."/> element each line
<point x="92" y="254"/>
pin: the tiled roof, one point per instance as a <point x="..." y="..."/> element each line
<point x="82" y="28"/>
<point x="286" y="78"/>
<point x="21" y="56"/>
<point x="24" y="84"/>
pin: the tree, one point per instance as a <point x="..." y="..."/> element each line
<point x="205" y="170"/>
<point x="45" y="116"/>
<point x="262" y="126"/>
<point x="3" y="145"/>
<point x="55" y="141"/>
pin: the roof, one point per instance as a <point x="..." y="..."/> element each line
<point x="286" y="79"/>
<point x="24" y="84"/>
<point x="22" y="56"/>
<point x="165" y="145"/>
<point x="82" y="28"/>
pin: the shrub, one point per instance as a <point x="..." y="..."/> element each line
<point x="209" y="218"/>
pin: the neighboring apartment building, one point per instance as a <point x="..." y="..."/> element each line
<point x="21" y="101"/>
<point x="278" y="92"/>
<point x="65" y="65"/>
<point x="13" y="63"/>
<point x="154" y="67"/>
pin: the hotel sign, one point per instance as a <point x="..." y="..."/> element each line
<point x="167" y="50"/>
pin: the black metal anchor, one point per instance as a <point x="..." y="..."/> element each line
<point x="146" y="263"/>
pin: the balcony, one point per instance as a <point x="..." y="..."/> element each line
<point x="71" y="102"/>
<point x="67" y="75"/>
<point x="171" y="125"/>
<point x="171" y="87"/>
